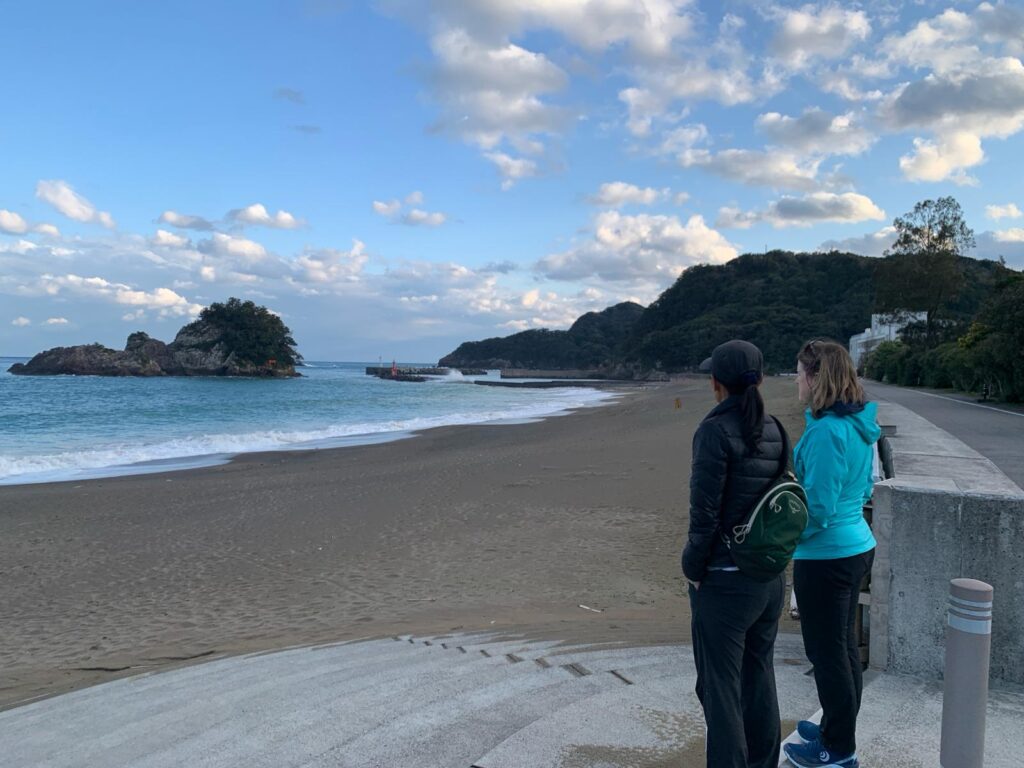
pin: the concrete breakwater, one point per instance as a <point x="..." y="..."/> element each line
<point x="387" y="372"/>
<point x="562" y="383"/>
<point x="417" y="374"/>
<point x="620" y="374"/>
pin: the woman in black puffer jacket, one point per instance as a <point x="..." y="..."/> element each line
<point x="737" y="453"/>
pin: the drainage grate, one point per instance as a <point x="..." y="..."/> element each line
<point x="513" y="658"/>
<point x="542" y="662"/>
<point x="485" y="653"/>
<point x="461" y="649"/>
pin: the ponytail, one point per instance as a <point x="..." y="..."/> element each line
<point x="751" y="412"/>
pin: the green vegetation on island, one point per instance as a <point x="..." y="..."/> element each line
<point x="236" y="338"/>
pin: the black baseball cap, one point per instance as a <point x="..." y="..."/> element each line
<point x="735" y="362"/>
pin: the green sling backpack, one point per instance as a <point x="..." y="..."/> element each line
<point x="764" y="544"/>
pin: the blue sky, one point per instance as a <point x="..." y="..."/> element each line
<point x="396" y="177"/>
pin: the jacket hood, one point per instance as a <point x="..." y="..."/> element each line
<point x="864" y="420"/>
<point x="866" y="423"/>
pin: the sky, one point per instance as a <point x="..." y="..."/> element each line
<point x="396" y="177"/>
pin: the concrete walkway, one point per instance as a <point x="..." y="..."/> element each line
<point x="452" y="702"/>
<point x="994" y="430"/>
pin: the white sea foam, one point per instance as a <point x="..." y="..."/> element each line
<point x="210" y="449"/>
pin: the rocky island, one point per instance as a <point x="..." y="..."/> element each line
<point x="236" y="338"/>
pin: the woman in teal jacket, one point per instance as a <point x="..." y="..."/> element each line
<point x="833" y="461"/>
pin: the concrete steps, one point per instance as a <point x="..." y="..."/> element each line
<point x="479" y="699"/>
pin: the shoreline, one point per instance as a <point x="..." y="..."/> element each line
<point x="196" y="461"/>
<point x="503" y="528"/>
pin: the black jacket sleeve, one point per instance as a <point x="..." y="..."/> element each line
<point x="707" y="487"/>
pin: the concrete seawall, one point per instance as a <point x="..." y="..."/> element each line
<point x="949" y="512"/>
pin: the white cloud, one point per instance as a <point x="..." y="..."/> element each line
<point x="12" y="223"/>
<point x="512" y="169"/>
<point x="388" y="209"/>
<point x="163" y="300"/>
<point x="415" y="217"/>
<point x="986" y="99"/>
<point x="681" y="198"/>
<point x="330" y="265"/>
<point x="1013" y="235"/>
<point x="168" y="239"/>
<point x="20" y="247"/>
<point x="944" y="159"/>
<point x="65" y="200"/>
<point x="185" y="221"/>
<point x="810" y="33"/>
<point x="616" y="194"/>
<point x="680" y="140"/>
<point x="806" y="211"/>
<point x="939" y="44"/>
<point x="490" y="92"/>
<point x="1008" y="211"/>
<point x="643" y="249"/>
<point x="1005" y="244"/>
<point x="689" y="80"/>
<point x="1002" y="23"/>
<point x="816" y="132"/>
<point x="872" y="244"/>
<point x="139" y="314"/>
<point x="21" y="322"/>
<point x="731" y="217"/>
<point x="778" y="170"/>
<point x="228" y="245"/>
<point x="49" y="230"/>
<point x="258" y="214"/>
<point x="418" y="218"/>
<point x="57" y="321"/>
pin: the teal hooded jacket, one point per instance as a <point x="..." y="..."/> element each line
<point x="834" y="463"/>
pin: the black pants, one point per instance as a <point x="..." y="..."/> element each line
<point x="735" y="620"/>
<point x="826" y="594"/>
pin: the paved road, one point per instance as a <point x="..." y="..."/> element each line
<point x="994" y="431"/>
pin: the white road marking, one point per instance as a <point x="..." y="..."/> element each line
<point x="963" y="402"/>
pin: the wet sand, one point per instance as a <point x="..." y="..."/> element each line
<point x="507" y="528"/>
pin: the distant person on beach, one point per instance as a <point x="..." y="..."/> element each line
<point x="834" y="463"/>
<point x="736" y="457"/>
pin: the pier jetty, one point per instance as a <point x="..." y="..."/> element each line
<point x="417" y="374"/>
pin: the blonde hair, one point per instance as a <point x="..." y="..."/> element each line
<point x="832" y="374"/>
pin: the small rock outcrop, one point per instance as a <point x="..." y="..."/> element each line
<point x="231" y="339"/>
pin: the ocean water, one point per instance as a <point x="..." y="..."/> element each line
<point x="76" y="427"/>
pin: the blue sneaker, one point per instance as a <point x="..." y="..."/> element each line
<point x="813" y="754"/>
<point x="808" y="731"/>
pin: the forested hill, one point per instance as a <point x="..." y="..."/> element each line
<point x="594" y="340"/>
<point x="776" y="300"/>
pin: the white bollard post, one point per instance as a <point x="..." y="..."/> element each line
<point x="965" y="693"/>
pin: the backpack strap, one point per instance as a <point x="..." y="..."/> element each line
<point x="785" y="450"/>
<point x="778" y="475"/>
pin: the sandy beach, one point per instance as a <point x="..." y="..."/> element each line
<point x="493" y="527"/>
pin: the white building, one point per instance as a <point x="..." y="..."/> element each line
<point x="885" y="327"/>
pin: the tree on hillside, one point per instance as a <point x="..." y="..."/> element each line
<point x="921" y="271"/>
<point x="253" y="333"/>
<point x="995" y="341"/>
